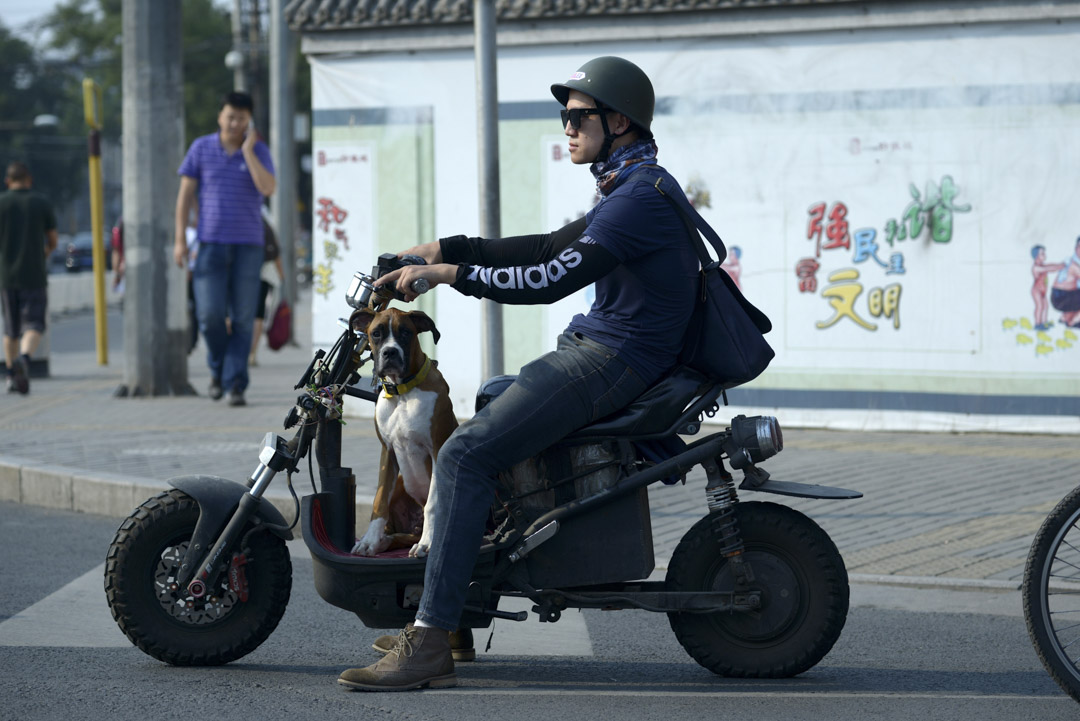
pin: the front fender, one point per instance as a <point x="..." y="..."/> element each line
<point x="218" y="499"/>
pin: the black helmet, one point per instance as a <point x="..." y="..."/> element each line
<point x="617" y="84"/>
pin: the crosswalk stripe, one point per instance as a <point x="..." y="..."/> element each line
<point x="78" y="616"/>
<point x="568" y="637"/>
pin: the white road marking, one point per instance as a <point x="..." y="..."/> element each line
<point x="767" y="693"/>
<point x="568" y="637"/>
<point x="76" y="616"/>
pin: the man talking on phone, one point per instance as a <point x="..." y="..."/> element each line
<point x="228" y="173"/>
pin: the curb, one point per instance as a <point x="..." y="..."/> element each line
<point x="38" y="483"/>
<point x="943" y="583"/>
<point x="47" y="485"/>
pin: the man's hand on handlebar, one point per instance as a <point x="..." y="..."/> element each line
<point x="430" y="252"/>
<point x="403" y="278"/>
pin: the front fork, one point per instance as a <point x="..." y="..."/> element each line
<point x="721" y="497"/>
<point x="275" y="456"/>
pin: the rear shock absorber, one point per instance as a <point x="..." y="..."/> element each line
<point x="721" y="497"/>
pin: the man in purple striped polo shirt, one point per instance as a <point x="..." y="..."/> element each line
<point x="228" y="172"/>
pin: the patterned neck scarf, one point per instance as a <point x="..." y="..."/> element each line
<point x="628" y="156"/>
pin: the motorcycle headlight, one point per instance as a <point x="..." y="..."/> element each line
<point x="355" y="296"/>
<point x="757" y="438"/>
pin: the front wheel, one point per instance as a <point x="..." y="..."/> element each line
<point x="799" y="576"/>
<point x="161" y="618"/>
<point x="1051" y="593"/>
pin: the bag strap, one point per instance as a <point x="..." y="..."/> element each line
<point x="691" y="218"/>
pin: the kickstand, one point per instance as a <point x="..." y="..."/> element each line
<point x="490" y="636"/>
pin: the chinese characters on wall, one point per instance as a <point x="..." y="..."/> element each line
<point x="332" y="236"/>
<point x="860" y="254"/>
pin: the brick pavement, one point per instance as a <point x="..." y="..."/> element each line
<point x="960" y="508"/>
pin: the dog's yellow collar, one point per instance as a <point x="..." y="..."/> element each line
<point x="390" y="389"/>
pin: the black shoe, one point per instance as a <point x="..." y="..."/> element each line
<point x="236" y="398"/>
<point x="215" y="390"/>
<point x="19" y="381"/>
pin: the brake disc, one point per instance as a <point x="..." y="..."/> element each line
<point x="178" y="603"/>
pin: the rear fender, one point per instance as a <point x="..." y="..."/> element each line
<point x="218" y="499"/>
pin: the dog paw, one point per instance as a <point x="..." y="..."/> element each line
<point x="419" y="550"/>
<point x="371" y="546"/>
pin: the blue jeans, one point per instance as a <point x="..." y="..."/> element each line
<point x="226" y="285"/>
<point x="553" y="396"/>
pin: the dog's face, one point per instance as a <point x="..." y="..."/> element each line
<point x="392" y="337"/>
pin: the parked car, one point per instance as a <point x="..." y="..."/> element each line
<point x="58" y="258"/>
<point x="80" y="254"/>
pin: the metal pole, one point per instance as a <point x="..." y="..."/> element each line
<point x="94" y="114"/>
<point x="155" y="305"/>
<point x="282" y="141"/>
<point x="240" y="71"/>
<point x="488" y="142"/>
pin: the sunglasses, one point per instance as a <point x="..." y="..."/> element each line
<point x="574" y="116"/>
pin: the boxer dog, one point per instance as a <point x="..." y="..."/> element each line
<point x="413" y="418"/>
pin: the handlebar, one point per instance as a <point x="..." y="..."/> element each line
<point x="362" y="287"/>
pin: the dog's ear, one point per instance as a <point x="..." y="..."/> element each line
<point x="423" y="323"/>
<point x="361" y="319"/>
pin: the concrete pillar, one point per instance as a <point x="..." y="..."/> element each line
<point x="155" y="315"/>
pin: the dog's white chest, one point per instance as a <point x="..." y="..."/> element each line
<point x="404" y="422"/>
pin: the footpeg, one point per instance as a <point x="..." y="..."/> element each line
<point x="494" y="613"/>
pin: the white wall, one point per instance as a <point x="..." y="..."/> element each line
<point x="771" y="126"/>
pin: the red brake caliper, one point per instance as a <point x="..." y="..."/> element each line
<point x="237" y="577"/>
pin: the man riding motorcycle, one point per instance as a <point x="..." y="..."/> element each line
<point x="632" y="238"/>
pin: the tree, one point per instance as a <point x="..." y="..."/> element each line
<point x="87" y="35"/>
<point x="30" y="88"/>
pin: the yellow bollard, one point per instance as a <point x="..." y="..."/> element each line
<point x="92" y="109"/>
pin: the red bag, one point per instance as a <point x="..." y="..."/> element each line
<point x="280" y="328"/>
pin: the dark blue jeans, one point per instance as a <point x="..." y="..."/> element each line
<point x="226" y="285"/>
<point x="553" y="396"/>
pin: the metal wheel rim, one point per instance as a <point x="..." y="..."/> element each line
<point x="780" y="606"/>
<point x="177" y="603"/>
<point x="1068" y="594"/>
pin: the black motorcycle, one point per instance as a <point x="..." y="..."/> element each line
<point x="200" y="574"/>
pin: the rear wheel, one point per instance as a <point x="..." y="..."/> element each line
<point x="799" y="576"/>
<point x="1051" y="593"/>
<point x="161" y="618"/>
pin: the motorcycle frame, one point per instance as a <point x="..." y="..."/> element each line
<point x="499" y="571"/>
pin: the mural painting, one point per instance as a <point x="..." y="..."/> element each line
<point x="342" y="229"/>
<point x="1040" y="332"/>
<point x="829" y="228"/>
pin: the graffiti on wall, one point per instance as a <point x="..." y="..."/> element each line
<point x="929" y="213"/>
<point x="1062" y="295"/>
<point x="332" y="235"/>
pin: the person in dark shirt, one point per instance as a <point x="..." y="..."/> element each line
<point x="27" y="237"/>
<point x="631" y="244"/>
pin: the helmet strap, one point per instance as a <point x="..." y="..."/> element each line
<point x="609" y="138"/>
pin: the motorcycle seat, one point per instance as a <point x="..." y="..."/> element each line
<point x="659" y="411"/>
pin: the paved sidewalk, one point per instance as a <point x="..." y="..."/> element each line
<point x="939" y="509"/>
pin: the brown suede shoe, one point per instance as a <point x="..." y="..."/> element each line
<point x="461" y="644"/>
<point x="420" y="659"/>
